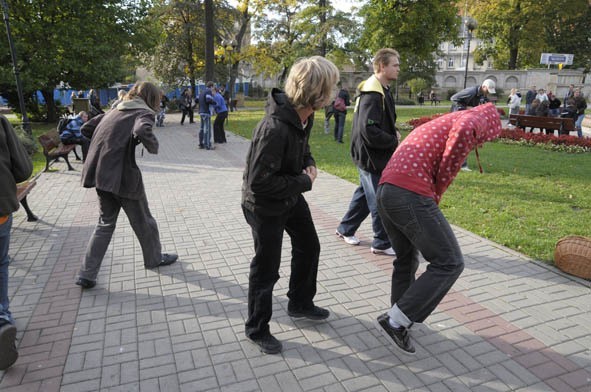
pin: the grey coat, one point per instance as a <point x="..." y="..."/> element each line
<point x="110" y="165"/>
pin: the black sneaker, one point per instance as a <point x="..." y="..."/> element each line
<point x="8" y="352"/>
<point x="167" y="259"/>
<point x="267" y="344"/>
<point x="85" y="283"/>
<point x="313" y="313"/>
<point x="398" y="335"/>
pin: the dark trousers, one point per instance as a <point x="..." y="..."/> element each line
<point x="267" y="232"/>
<point x="219" y="135"/>
<point x="339" y="125"/>
<point x="187" y="112"/>
<point x="143" y="224"/>
<point x="416" y="224"/>
<point x="84" y="143"/>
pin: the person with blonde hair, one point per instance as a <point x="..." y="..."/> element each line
<point x="373" y="140"/>
<point x="110" y="167"/>
<point x="279" y="169"/>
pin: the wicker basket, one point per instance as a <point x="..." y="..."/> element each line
<point x="573" y="256"/>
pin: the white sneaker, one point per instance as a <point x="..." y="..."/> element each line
<point x="387" y="252"/>
<point x="465" y="168"/>
<point x="351" y="240"/>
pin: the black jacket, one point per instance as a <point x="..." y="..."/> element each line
<point x="373" y="137"/>
<point x="15" y="167"/>
<point x="468" y="97"/>
<point x="279" y="152"/>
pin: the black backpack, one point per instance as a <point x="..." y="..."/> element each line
<point x="62" y="124"/>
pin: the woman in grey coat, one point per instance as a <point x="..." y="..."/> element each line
<point x="110" y="167"/>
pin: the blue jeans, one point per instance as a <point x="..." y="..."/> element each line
<point x="362" y="204"/>
<point x="579" y="124"/>
<point x="205" y="131"/>
<point x="339" y="125"/>
<point x="416" y="224"/>
<point x="4" y="243"/>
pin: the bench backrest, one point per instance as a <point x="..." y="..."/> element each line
<point x="521" y="120"/>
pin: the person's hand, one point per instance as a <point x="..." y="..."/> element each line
<point x="311" y="172"/>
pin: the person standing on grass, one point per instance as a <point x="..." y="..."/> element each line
<point x="472" y="97"/>
<point x="373" y="140"/>
<point x="111" y="169"/>
<point x="410" y="190"/>
<point x="15" y="167"/>
<point x="279" y="169"/>
<point x="581" y="105"/>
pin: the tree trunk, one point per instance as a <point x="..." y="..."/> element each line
<point x="323" y="50"/>
<point x="52" y="115"/>
<point x="209" y="38"/>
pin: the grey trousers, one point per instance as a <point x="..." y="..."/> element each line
<point x="142" y="223"/>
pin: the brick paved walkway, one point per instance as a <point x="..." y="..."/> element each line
<point x="508" y="323"/>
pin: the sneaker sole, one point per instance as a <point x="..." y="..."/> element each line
<point x="8" y="352"/>
<point x="381" y="253"/>
<point x="389" y="338"/>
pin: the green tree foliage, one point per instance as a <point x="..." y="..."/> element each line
<point x="87" y="44"/>
<point x="181" y="47"/>
<point x="414" y="28"/>
<point x="288" y="29"/>
<point x="515" y="33"/>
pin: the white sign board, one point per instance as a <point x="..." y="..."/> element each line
<point x="556" y="58"/>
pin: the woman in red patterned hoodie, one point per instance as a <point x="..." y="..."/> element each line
<point x="410" y="190"/>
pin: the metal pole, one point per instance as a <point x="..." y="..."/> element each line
<point x="467" y="57"/>
<point x="19" y="88"/>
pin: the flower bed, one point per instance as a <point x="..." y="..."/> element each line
<point x="572" y="144"/>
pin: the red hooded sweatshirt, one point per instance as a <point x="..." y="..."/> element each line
<point x="431" y="156"/>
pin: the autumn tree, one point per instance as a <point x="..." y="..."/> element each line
<point x="515" y="33"/>
<point x="414" y="28"/>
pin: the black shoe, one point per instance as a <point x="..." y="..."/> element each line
<point x="267" y="344"/>
<point x="85" y="283"/>
<point x="398" y="335"/>
<point x="313" y="313"/>
<point x="167" y="259"/>
<point x="8" y="352"/>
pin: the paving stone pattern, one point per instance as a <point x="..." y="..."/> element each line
<point x="509" y="323"/>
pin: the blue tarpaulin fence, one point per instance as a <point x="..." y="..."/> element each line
<point x="64" y="96"/>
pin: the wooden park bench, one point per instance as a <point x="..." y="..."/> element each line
<point x="22" y="190"/>
<point x="562" y="125"/>
<point x="53" y="148"/>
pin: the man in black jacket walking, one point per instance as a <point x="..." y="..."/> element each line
<point x="279" y="168"/>
<point x="373" y="140"/>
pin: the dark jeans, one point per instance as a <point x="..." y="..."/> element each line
<point x="187" y="112"/>
<point x="339" y="125"/>
<point x="267" y="232"/>
<point x="219" y="135"/>
<point x="143" y="224"/>
<point x="4" y="245"/>
<point x="416" y="224"/>
<point x="362" y="203"/>
<point x="83" y="141"/>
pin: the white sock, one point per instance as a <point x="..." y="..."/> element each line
<point x="393" y="323"/>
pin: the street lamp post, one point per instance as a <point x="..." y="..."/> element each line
<point x="19" y="88"/>
<point x="229" y="48"/>
<point x="470" y="25"/>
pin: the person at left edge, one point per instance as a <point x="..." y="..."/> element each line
<point x="279" y="169"/>
<point x="15" y="167"/>
<point x="111" y="168"/>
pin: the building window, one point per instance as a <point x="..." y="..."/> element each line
<point x="450" y="62"/>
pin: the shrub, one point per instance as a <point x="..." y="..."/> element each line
<point x="404" y="101"/>
<point x="28" y="142"/>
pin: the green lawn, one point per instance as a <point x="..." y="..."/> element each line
<point x="527" y="198"/>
